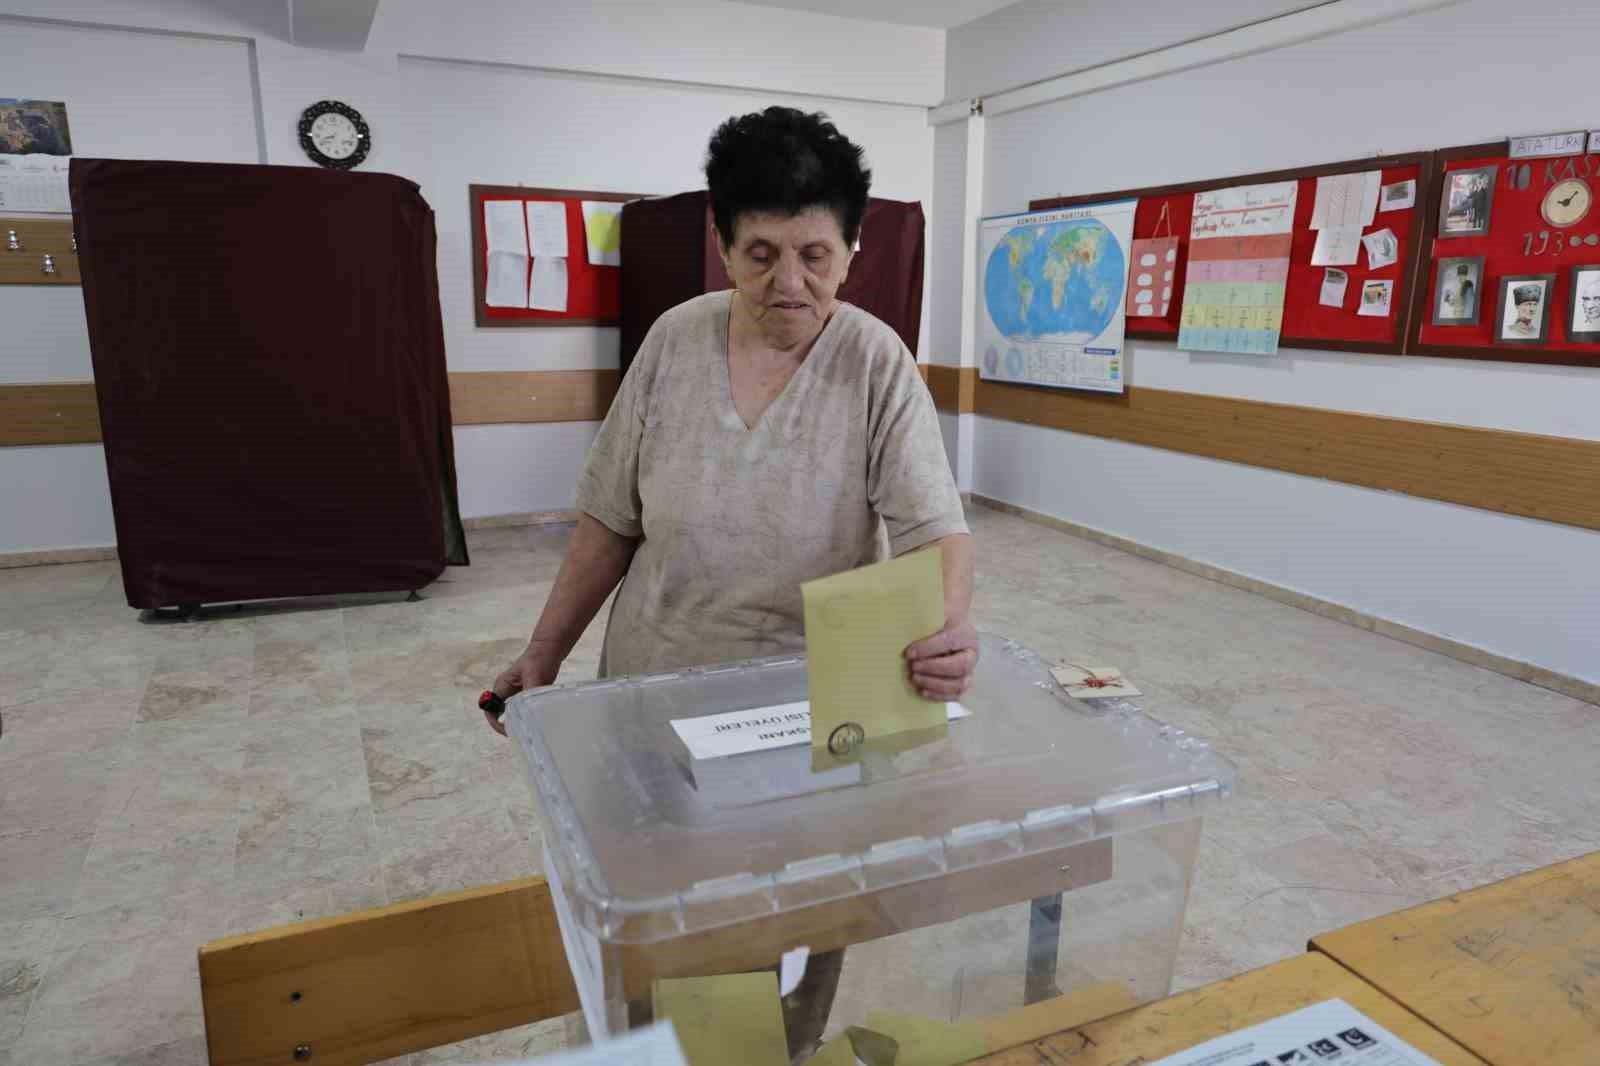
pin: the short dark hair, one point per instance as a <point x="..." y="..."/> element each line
<point x="785" y="161"/>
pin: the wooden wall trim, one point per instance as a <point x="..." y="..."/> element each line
<point x="38" y="236"/>
<point x="67" y="413"/>
<point x="1556" y="479"/>
<point x="480" y="397"/>
<point x="954" y="388"/>
<point x="56" y="413"/>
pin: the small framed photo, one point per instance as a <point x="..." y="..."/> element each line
<point x="1468" y="199"/>
<point x="1585" y="322"/>
<point x="1457" y="289"/>
<point x="1523" y="314"/>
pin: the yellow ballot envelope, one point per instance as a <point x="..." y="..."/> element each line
<point x="856" y="1047"/>
<point x="926" y="1042"/>
<point x="858" y="625"/>
<point x="733" y="1019"/>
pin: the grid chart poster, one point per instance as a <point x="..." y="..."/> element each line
<point x="1052" y="294"/>
<point x="1239" y="243"/>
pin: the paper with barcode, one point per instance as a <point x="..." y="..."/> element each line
<point x="757" y="729"/>
<point x="1330" y="1033"/>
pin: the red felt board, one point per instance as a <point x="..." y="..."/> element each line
<point x="1306" y="323"/>
<point x="1304" y="317"/>
<point x="594" y="293"/>
<point x="1514" y="216"/>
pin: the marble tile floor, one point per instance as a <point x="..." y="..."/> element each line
<point x="161" y="786"/>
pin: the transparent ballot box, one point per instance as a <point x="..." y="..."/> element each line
<point x="1043" y="846"/>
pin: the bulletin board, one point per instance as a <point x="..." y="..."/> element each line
<point x="1520" y="241"/>
<point x="1306" y="323"/>
<point x="594" y="293"/>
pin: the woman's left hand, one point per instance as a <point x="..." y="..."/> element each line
<point x="942" y="665"/>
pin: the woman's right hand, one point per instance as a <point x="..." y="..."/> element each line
<point x="536" y="667"/>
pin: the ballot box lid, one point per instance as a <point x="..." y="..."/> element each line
<point x="650" y="844"/>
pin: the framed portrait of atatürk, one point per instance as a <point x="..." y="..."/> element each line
<point x="1584" y="321"/>
<point x="1523" y="312"/>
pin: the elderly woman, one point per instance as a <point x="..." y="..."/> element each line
<point x="764" y="436"/>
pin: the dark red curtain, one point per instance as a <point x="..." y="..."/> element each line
<point x="269" y="362"/>
<point x="669" y="255"/>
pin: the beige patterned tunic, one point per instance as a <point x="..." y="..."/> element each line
<point x="844" y="468"/>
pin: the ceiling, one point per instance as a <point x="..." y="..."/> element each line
<point x="939" y="14"/>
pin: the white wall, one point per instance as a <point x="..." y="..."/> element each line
<point x="539" y="129"/>
<point x="1038" y="39"/>
<point x="946" y="230"/>
<point x="703" y="42"/>
<point x="455" y="94"/>
<point x="1520" y="588"/>
<point x="193" y="101"/>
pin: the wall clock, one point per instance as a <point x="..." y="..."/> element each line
<point x="1566" y="203"/>
<point x="334" y="135"/>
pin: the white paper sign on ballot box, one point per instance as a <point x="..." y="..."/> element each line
<point x="784" y="725"/>
<point x="739" y="758"/>
<point x="1330" y="1033"/>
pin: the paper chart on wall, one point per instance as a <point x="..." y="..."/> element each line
<point x="547" y="284"/>
<point x="34" y="183"/>
<point x="1337" y="246"/>
<point x="1346" y="199"/>
<point x="1053" y="291"/>
<point x="547" y="227"/>
<point x="507" y="283"/>
<point x="503" y="227"/>
<point x="1239" y="243"/>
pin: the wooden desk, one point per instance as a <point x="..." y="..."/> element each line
<point x="1171" y="1025"/>
<point x="1511" y="970"/>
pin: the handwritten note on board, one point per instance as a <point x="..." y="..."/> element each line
<point x="503" y="227"/>
<point x="1337" y="246"/>
<point x="1346" y="199"/>
<point x="507" y="283"/>
<point x="547" y="284"/>
<point x="547" y="227"/>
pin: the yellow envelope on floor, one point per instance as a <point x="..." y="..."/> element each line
<point x="858" y="625"/>
<point x="730" y="1020"/>
<point x="925" y="1042"/>
<point x="856" y="1046"/>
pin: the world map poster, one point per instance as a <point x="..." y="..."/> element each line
<point x="1239" y="242"/>
<point x="1051" y="296"/>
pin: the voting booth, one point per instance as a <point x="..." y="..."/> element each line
<point x="1042" y="846"/>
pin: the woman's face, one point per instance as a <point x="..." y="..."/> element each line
<point x="786" y="270"/>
